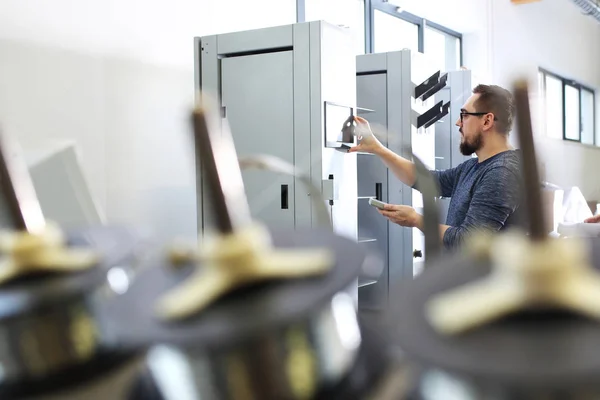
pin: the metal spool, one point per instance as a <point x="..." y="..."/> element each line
<point x="279" y="340"/>
<point x="525" y="356"/>
<point x="50" y="327"/>
<point x="292" y="338"/>
<point x="545" y="347"/>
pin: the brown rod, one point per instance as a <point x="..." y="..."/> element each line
<point x="18" y="192"/>
<point x="221" y="172"/>
<point x="530" y="171"/>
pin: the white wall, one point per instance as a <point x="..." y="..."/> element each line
<point x="552" y="34"/>
<point x="117" y="76"/>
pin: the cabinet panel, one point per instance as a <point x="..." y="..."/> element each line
<point x="258" y="96"/>
<point x="443" y="134"/>
<point x="373" y="182"/>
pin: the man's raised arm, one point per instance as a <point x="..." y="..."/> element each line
<point x="400" y="166"/>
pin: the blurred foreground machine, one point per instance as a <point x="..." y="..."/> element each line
<point x="254" y="313"/>
<point x="52" y="286"/>
<point x="257" y="313"/>
<point x="251" y="314"/>
<point x="514" y="317"/>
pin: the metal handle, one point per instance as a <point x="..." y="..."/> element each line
<point x="379" y="191"/>
<point x="284" y="197"/>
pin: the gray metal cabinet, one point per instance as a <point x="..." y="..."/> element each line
<point x="273" y="85"/>
<point x="401" y="88"/>
<point x="373" y="182"/>
<point x="384" y="86"/>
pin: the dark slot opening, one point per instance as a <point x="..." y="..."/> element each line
<point x="379" y="191"/>
<point x="284" y="197"/>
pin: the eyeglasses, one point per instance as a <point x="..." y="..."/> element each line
<point x="463" y="113"/>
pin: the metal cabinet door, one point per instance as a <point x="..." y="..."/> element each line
<point x="257" y="93"/>
<point x="443" y="135"/>
<point x="443" y="147"/>
<point x="372" y="173"/>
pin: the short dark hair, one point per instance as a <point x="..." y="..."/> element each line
<point x="498" y="101"/>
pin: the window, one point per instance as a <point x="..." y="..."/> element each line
<point x="588" y="120"/>
<point x="394" y="29"/>
<point x="380" y="26"/>
<point x="443" y="48"/>
<point x="347" y="13"/>
<point x="572" y="114"/>
<point x="554" y="107"/>
<point x="391" y="33"/>
<point x="567" y="109"/>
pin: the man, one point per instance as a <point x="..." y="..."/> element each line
<point x="593" y="220"/>
<point x="485" y="191"/>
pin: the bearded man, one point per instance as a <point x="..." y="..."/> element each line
<point x="485" y="192"/>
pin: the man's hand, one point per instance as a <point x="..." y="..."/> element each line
<point x="368" y="143"/>
<point x="593" y="220"/>
<point x="402" y="215"/>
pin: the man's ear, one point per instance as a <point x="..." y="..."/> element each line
<point x="488" y="122"/>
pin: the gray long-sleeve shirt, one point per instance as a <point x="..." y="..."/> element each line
<point x="484" y="195"/>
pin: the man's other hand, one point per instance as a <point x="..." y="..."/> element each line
<point x="368" y="143"/>
<point x="593" y="220"/>
<point x="402" y="215"/>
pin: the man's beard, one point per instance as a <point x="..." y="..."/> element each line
<point x="468" y="148"/>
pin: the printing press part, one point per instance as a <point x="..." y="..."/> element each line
<point x="51" y="325"/>
<point x="530" y="353"/>
<point x="281" y="337"/>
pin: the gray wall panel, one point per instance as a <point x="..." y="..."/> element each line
<point x="258" y="94"/>
<point x="371" y="93"/>
<point x="209" y="84"/>
<point x="302" y="119"/>
<point x="371" y="62"/>
<point x="256" y="40"/>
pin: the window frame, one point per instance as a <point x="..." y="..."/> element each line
<point x="580" y="87"/>
<point x="390" y="9"/>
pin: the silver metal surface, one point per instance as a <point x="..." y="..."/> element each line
<point x="17" y="188"/>
<point x="288" y="363"/>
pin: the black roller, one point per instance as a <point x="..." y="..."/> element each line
<point x="52" y="333"/>
<point x="364" y="380"/>
<point x="244" y="313"/>
<point x="550" y="351"/>
<point x="260" y="329"/>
